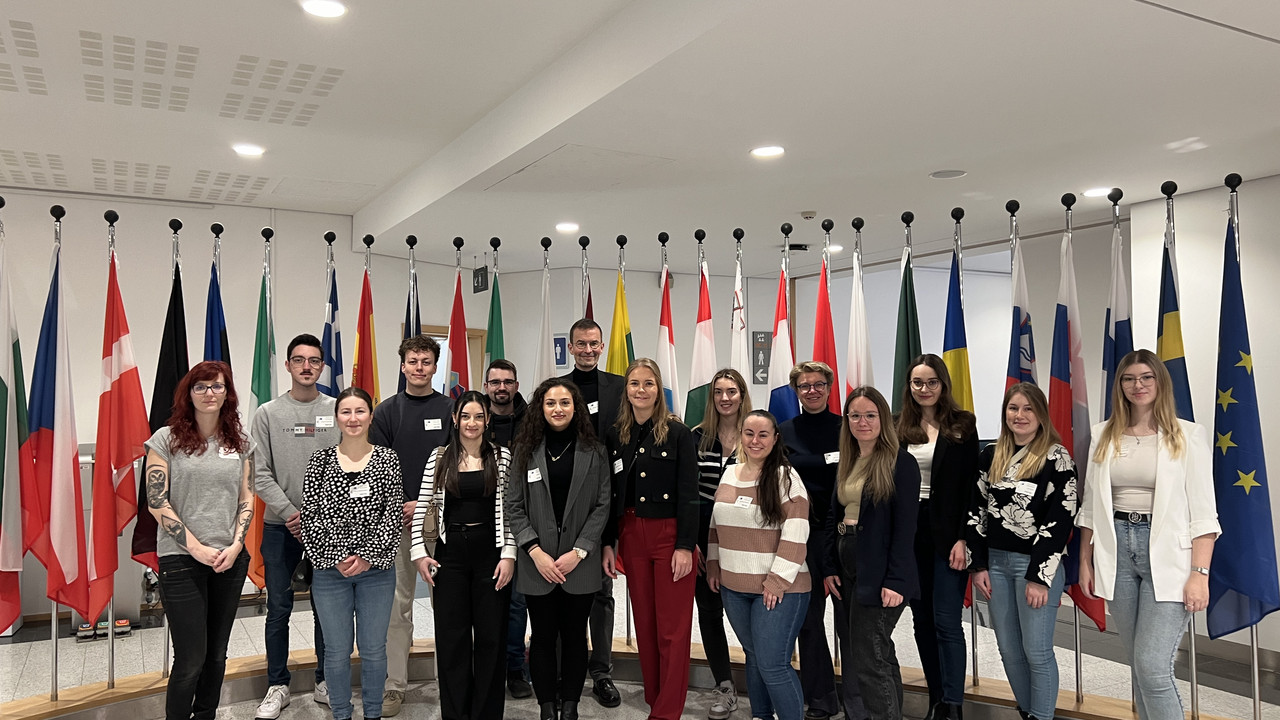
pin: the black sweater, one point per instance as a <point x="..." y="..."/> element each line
<point x="401" y="423"/>
<point x="810" y="438"/>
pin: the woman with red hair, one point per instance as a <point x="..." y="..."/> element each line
<point x="198" y="475"/>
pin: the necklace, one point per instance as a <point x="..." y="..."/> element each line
<point x="556" y="458"/>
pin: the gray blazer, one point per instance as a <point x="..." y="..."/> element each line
<point x="533" y="518"/>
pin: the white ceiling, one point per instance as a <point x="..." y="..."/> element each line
<point x="482" y="119"/>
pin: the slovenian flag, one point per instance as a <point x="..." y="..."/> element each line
<point x="783" y="403"/>
<point x="1118" y="340"/>
<point x="459" y="375"/>
<point x="955" y="343"/>
<point x="824" y="340"/>
<point x="704" y="355"/>
<point x="1169" y="328"/>
<point x="666" y="355"/>
<point x="1022" y="346"/>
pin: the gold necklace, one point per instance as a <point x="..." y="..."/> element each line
<point x="556" y="458"/>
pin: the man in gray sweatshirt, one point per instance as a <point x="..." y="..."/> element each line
<point x="287" y="430"/>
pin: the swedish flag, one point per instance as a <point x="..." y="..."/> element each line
<point x="1169" y="330"/>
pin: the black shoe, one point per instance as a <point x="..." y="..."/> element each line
<point x="518" y="686"/>
<point x="812" y="714"/>
<point x="547" y="711"/>
<point x="606" y="694"/>
<point x="569" y="711"/>
<point x="948" y="711"/>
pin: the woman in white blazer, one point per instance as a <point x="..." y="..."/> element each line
<point x="1148" y="523"/>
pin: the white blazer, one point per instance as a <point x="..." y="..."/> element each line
<point x="1183" y="508"/>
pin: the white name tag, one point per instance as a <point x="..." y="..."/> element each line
<point x="743" y="501"/>
<point x="431" y="424"/>
<point x="535" y="475"/>
<point x="832" y="458"/>
<point x="1025" y="487"/>
<point x="324" y="421"/>
<point x="593" y="407"/>
<point x="228" y="453"/>
<point x="617" y="465"/>
<point x="360" y="491"/>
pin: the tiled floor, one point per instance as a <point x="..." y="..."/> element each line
<point x="24" y="668"/>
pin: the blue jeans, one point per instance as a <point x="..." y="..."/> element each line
<point x="281" y="552"/>
<point x="1025" y="635"/>
<point x="517" y="624"/>
<point x="367" y="598"/>
<point x="1150" y="630"/>
<point x="767" y="638"/>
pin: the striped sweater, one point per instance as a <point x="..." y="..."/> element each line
<point x="432" y="497"/>
<point x="750" y="557"/>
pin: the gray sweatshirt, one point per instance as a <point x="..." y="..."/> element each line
<point x="286" y="433"/>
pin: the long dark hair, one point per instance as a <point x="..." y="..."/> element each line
<point x="447" y="466"/>
<point x="184" y="436"/>
<point x="774" y="472"/>
<point x="534" y="425"/>
<point x="953" y="421"/>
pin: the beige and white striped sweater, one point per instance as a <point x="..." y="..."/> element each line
<point x="749" y="556"/>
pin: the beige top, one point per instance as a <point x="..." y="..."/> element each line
<point x="1133" y="474"/>
<point x="849" y="492"/>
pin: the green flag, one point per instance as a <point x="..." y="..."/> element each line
<point x="493" y="346"/>
<point x="263" y="384"/>
<point x="907" y="347"/>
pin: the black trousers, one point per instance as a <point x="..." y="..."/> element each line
<point x="471" y="625"/>
<point x="875" y="659"/>
<point x="558" y="617"/>
<point x="817" y="673"/>
<point x="200" y="607"/>
<point x="711" y="617"/>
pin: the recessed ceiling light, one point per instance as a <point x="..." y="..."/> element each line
<point x="947" y="174"/>
<point x="835" y="248"/>
<point x="1097" y="192"/>
<point x="248" y="150"/>
<point x="324" y="8"/>
<point x="567" y="227"/>
<point x="768" y="151"/>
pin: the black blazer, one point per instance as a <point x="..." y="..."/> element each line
<point x="952" y="482"/>
<point x="612" y="388"/>
<point x="886" y="537"/>
<point x="533" y="518"/>
<point x="666" y="481"/>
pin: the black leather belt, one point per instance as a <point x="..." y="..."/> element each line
<point x="846" y="529"/>
<point x="1133" y="517"/>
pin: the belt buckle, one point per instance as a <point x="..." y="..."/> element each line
<point x="840" y="529"/>
<point x="1135" y="517"/>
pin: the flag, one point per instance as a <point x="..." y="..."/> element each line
<point x="53" y="509"/>
<point x="412" y="321"/>
<point x="330" y="382"/>
<point x="215" y="321"/>
<point x="739" y="340"/>
<point x="588" y="310"/>
<point x="666" y="355"/>
<point x="1118" y="341"/>
<point x="262" y="388"/>
<point x="955" y="344"/>
<point x="858" y="370"/>
<point x="1242" y="587"/>
<point x="171" y="367"/>
<point x="824" y="340"/>
<point x="364" y="371"/>
<point x="1069" y="412"/>
<point x="1169" y="328"/>
<point x="783" y="403"/>
<point x="17" y="462"/>
<point x="494" y="348"/>
<point x="459" y="380"/>
<point x="1022" y="345"/>
<point x="907" y="347"/>
<point x="122" y="430"/>
<point x="621" y="351"/>
<point x="545" y="365"/>
<point x="704" y="354"/>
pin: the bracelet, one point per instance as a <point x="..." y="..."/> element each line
<point x="1202" y="570"/>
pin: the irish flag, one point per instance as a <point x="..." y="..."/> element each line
<point x="704" y="355"/>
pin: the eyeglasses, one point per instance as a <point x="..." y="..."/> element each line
<point x="299" y="361"/>
<point x="812" y="387"/>
<point x="202" y="389"/>
<point x="1130" y="381"/>
<point x="931" y="383"/>
<point x="584" y="345"/>
<point x="859" y="417"/>
<point x="501" y="383"/>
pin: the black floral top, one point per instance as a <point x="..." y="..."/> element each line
<point x="1034" y="517"/>
<point x="347" y="514"/>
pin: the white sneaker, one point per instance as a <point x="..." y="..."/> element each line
<point x="321" y="694"/>
<point x="277" y="699"/>
<point x="724" y="701"/>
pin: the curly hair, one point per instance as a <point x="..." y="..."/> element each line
<point x="184" y="436"/>
<point x="534" y="425"/>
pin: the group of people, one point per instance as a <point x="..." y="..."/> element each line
<point x="507" y="508"/>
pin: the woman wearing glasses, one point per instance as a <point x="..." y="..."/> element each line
<point x="198" y="476"/>
<point x="1148" y="523"/>
<point x="870" y="534"/>
<point x="1021" y="519"/>
<point x="812" y="440"/>
<point x="944" y="441"/>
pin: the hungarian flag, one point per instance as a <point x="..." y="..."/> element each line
<point x="621" y="350"/>
<point x="907" y="347"/>
<point x="122" y="430"/>
<point x="412" y="320"/>
<point x="824" y="340"/>
<point x="17" y="463"/>
<point x="858" y="358"/>
<point x="330" y="382"/>
<point x="783" y="403"/>
<point x="704" y="355"/>
<point x="545" y="367"/>
<point x="459" y="380"/>
<point x="216" y="346"/>
<point x="262" y="388"/>
<point x="1022" y="346"/>
<point x="53" y="509"/>
<point x="1169" y="327"/>
<point x="666" y="355"/>
<point x="955" y="343"/>
<point x="364" y="371"/>
<point x="739" y="342"/>
<point x="494" y="347"/>
<point x="1118" y="340"/>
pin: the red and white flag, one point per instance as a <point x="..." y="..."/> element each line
<point x="459" y="377"/>
<point x="666" y="355"/>
<point x="824" y="340"/>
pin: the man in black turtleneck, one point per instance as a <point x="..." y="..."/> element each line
<point x="603" y="394"/>
<point x="813" y="447"/>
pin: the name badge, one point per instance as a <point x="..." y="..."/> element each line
<point x="743" y="501"/>
<point x="324" y="421"/>
<point x="832" y="458"/>
<point x="617" y="465"/>
<point x="228" y="453"/>
<point x="535" y="475"/>
<point x="593" y="407"/>
<point x="360" y="491"/>
<point x="431" y="424"/>
<point x="1025" y="487"/>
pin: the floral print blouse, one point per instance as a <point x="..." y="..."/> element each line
<point x="1034" y="517"/>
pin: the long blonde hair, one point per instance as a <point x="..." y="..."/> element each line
<point x="710" y="424"/>
<point x="1165" y="409"/>
<point x="1037" y="450"/>
<point x="662" y="417"/>
<point x="880" y="464"/>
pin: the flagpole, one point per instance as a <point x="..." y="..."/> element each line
<point x="700" y="235"/>
<point x="827" y="224"/>
<point x="58" y="212"/>
<point x="1012" y="208"/>
<point x="368" y="252"/>
<point x="175" y="257"/>
<point x="111" y="216"/>
<point x="957" y="214"/>
<point x="217" y="229"/>
<point x="622" y="269"/>
<point x="583" y="242"/>
<point x="786" y="253"/>
<point x="495" y="243"/>
<point x="415" y="320"/>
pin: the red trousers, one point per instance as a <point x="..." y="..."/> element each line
<point x="663" y="611"/>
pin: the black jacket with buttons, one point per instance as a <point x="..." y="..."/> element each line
<point x="666" y="481"/>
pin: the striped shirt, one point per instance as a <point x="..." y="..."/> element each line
<point x="711" y="465"/>
<point x="749" y="556"/>
<point x="432" y="497"/>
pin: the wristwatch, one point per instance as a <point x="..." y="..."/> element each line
<point x="582" y="554"/>
<point x="1202" y="570"/>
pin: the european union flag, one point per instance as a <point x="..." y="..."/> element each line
<point x="1169" y="329"/>
<point x="1243" y="586"/>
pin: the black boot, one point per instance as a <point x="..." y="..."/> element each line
<point x="932" y="714"/>
<point x="948" y="711"/>
<point x="547" y="711"/>
<point x="569" y="711"/>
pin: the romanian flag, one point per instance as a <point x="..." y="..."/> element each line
<point x="704" y="355"/>
<point x="1118" y="340"/>
<point x="955" y="344"/>
<point x="907" y="347"/>
<point x="1169" y="328"/>
<point x="459" y="380"/>
<point x="364" y="371"/>
<point x="666" y="355"/>
<point x="783" y="403"/>
<point x="16" y="464"/>
<point x="621" y="350"/>
<point x="1022" y="346"/>
<point x="824" y="340"/>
